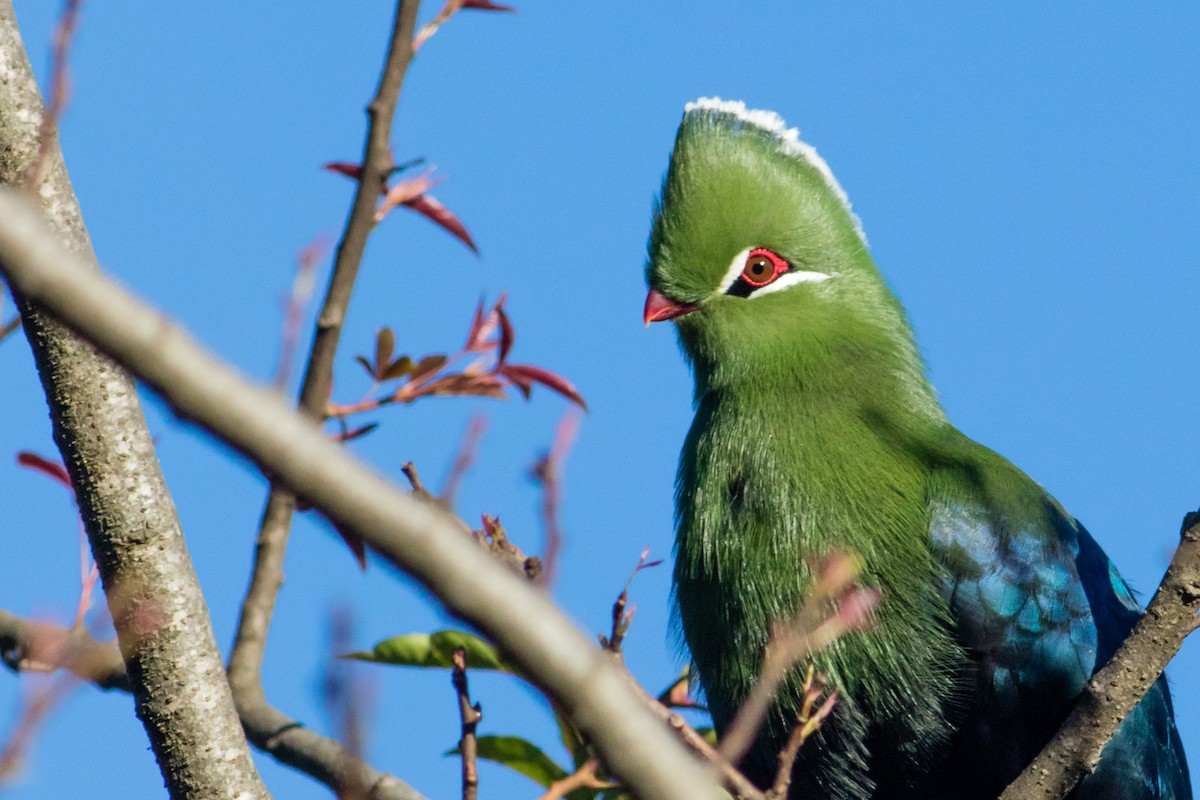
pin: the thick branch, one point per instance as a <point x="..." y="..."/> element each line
<point x="268" y="728"/>
<point x="1114" y="691"/>
<point x="162" y="621"/>
<point x="424" y="541"/>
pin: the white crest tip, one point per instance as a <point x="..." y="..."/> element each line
<point x="789" y="141"/>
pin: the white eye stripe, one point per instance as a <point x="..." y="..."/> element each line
<point x="784" y="281"/>
<point x="788" y="280"/>
<point x="735" y="269"/>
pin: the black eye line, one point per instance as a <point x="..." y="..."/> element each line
<point x="741" y="288"/>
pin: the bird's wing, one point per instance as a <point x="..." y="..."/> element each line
<point x="1039" y="606"/>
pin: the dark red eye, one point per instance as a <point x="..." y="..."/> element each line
<point x="763" y="267"/>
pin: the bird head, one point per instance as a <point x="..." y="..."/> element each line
<point x="756" y="256"/>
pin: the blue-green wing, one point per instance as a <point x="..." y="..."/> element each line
<point x="1039" y="607"/>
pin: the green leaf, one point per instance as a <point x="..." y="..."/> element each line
<point x="433" y="650"/>
<point x="519" y="755"/>
<point x="480" y="654"/>
<point x="427" y="366"/>
<point x="385" y="343"/>
<point x="397" y="369"/>
<point x="411" y="650"/>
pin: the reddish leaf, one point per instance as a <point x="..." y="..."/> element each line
<point x="476" y="324"/>
<point x="429" y="207"/>
<point x="523" y="384"/>
<point x="357" y="546"/>
<point x="385" y="343"/>
<point x="51" y="469"/>
<point x="482" y="326"/>
<point x="397" y="369"/>
<point x="465" y="385"/>
<point x="527" y="372"/>
<point x="426" y="367"/>
<point x="347" y="168"/>
<point x="506" y="331"/>
<point x="405" y="193"/>
<point x="486" y="5"/>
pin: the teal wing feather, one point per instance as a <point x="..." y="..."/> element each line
<point x="1039" y="607"/>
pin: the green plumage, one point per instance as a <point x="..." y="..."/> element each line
<point x="816" y="430"/>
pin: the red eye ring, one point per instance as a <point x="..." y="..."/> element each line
<point x="763" y="267"/>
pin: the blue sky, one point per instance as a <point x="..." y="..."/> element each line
<point x="1027" y="177"/>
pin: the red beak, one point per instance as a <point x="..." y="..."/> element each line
<point x="660" y="307"/>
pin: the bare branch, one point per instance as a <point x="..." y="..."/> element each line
<point x="422" y="540"/>
<point x="465" y="459"/>
<point x="267" y="727"/>
<point x="470" y="717"/>
<point x="156" y="603"/>
<point x="1116" y="688"/>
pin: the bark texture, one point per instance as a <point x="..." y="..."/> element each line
<point x="163" y="626"/>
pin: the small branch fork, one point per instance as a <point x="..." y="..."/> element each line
<point x="471" y="716"/>
<point x="808" y="721"/>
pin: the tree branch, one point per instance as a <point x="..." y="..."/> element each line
<point x="1114" y="690"/>
<point x="470" y="716"/>
<point x="424" y="541"/>
<point x="44" y="647"/>
<point x="268" y="728"/>
<point x="162" y="621"/>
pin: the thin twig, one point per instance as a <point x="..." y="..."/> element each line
<point x="268" y="728"/>
<point x="346" y="696"/>
<point x="465" y="459"/>
<point x="471" y="716"/>
<point x="39" y="704"/>
<point x="808" y="722"/>
<point x="734" y="780"/>
<point x="622" y="618"/>
<point x="812" y="629"/>
<point x="548" y="472"/>
<point x="1115" y="689"/>
<point x="293" y="307"/>
<point x="44" y="647"/>
<point x="582" y="778"/>
<point x="7" y="329"/>
<point x="64" y="33"/>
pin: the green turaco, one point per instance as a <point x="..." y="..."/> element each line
<point x="816" y="429"/>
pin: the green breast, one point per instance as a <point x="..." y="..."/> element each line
<point x="762" y="493"/>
